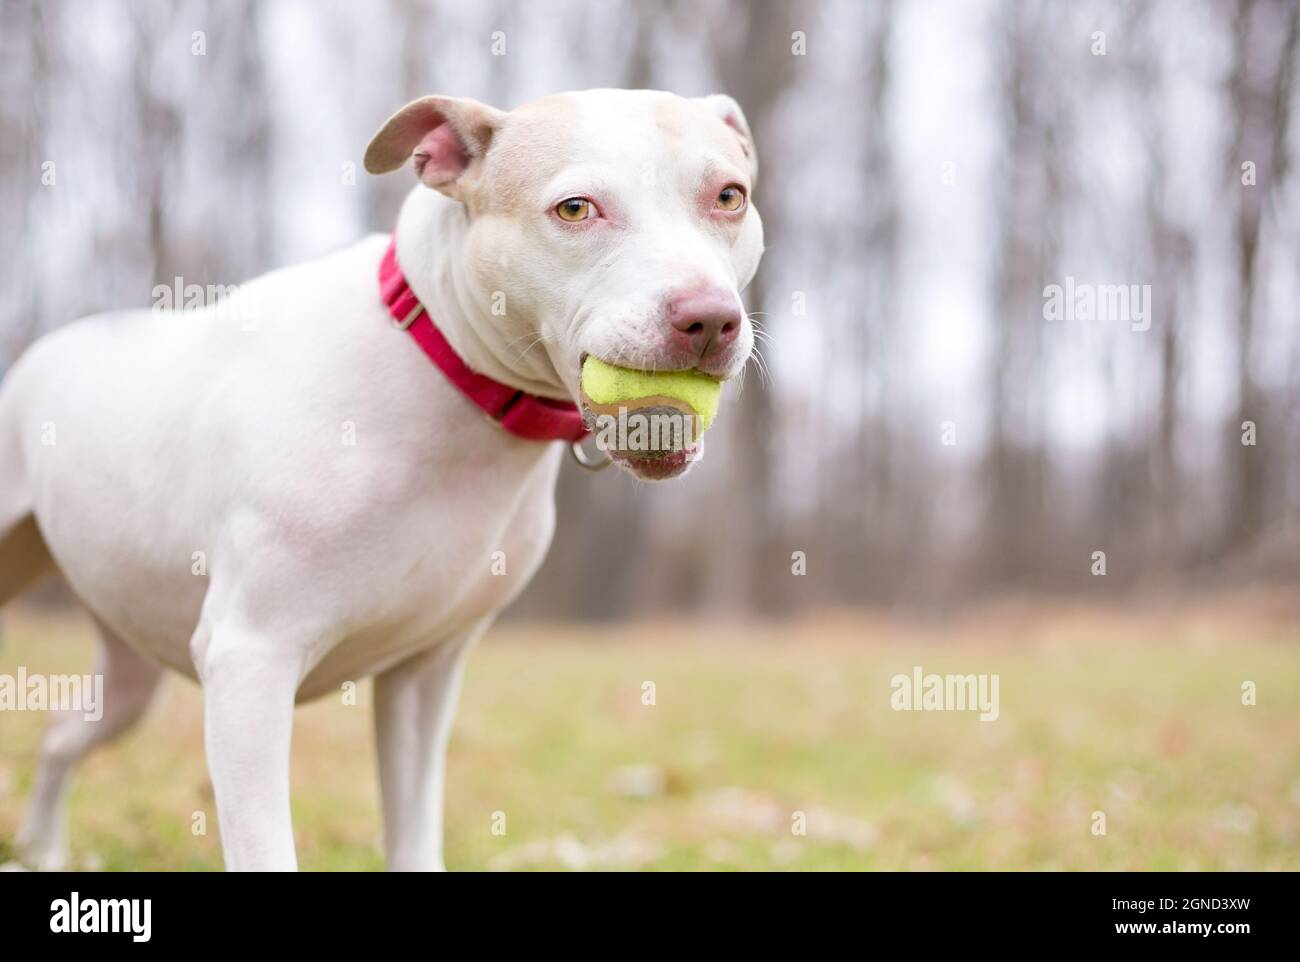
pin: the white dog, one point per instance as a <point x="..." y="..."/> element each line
<point x="298" y="487"/>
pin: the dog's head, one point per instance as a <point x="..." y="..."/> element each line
<point x="615" y="223"/>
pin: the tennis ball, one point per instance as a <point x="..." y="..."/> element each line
<point x="607" y="386"/>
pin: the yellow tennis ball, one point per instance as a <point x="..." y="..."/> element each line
<point x="604" y="384"/>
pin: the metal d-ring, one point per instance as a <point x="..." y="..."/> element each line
<point x="586" y="463"/>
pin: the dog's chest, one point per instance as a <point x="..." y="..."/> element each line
<point x="451" y="561"/>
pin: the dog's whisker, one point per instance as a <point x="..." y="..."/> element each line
<point x="760" y="362"/>
<point x="538" y="339"/>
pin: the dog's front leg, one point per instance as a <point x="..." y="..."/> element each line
<point x="248" y="696"/>
<point x="414" y="706"/>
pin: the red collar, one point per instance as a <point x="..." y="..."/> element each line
<point x="522" y="414"/>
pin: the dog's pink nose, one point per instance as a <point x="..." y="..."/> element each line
<point x="705" y="318"/>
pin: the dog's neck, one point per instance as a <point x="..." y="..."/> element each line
<point x="430" y="249"/>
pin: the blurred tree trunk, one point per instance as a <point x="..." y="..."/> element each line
<point x="754" y="60"/>
<point x="1259" y="90"/>
<point x="1011" y="545"/>
<point x="25" y="68"/>
<point x="158" y="129"/>
<point x="250" y="149"/>
<point x="885" y="526"/>
<point x="1170" y="252"/>
<point x="237" y="151"/>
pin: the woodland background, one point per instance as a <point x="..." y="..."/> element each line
<point x="928" y="169"/>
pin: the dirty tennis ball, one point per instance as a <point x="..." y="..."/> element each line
<point x="606" y="388"/>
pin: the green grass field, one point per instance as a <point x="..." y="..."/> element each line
<point x="1136" y="713"/>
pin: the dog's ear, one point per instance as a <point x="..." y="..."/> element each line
<point x="730" y="114"/>
<point x="447" y="136"/>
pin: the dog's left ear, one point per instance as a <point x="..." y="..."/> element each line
<point x="447" y="136"/>
<point x="729" y="113"/>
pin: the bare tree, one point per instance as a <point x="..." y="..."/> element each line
<point x="1029" y="203"/>
<point x="25" y="67"/>
<point x="1260" y="86"/>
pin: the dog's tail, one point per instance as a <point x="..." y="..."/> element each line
<point x="24" y="556"/>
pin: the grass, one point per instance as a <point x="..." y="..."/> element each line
<point x="1134" y="712"/>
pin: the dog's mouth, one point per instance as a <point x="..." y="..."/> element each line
<point x="654" y="438"/>
<point x="663" y="467"/>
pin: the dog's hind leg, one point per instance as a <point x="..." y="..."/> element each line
<point x="130" y="681"/>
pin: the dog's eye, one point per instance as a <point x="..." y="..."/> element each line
<point x="731" y="199"/>
<point x="575" y="209"/>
